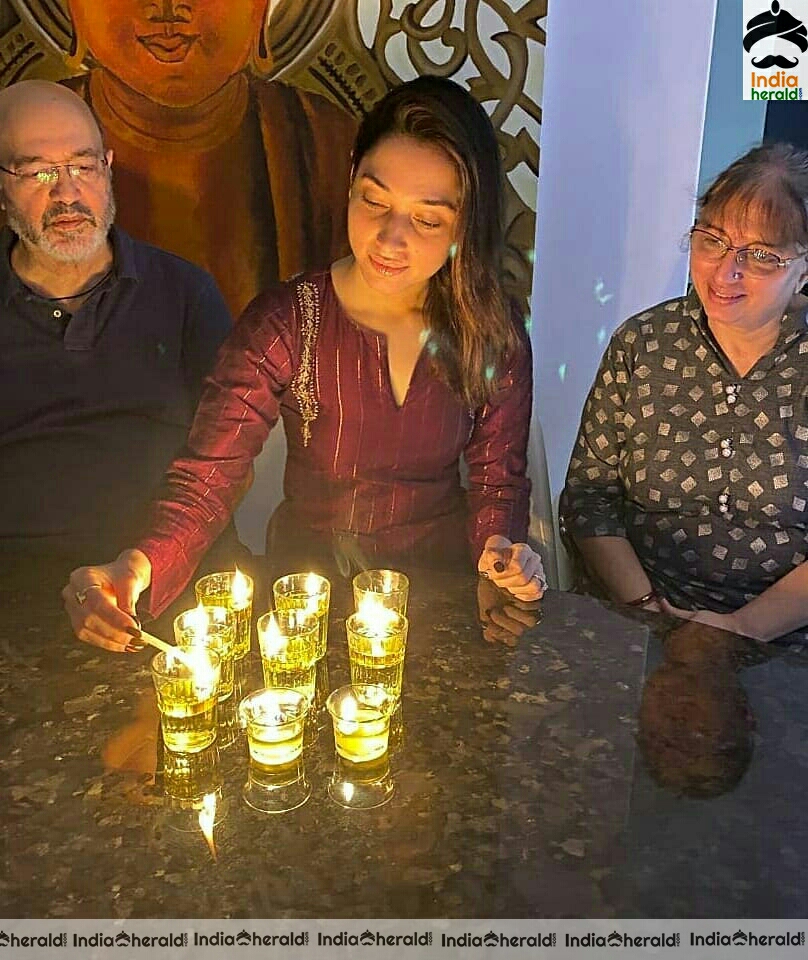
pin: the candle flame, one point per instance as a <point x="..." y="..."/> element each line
<point x="313" y="586"/>
<point x="239" y="590"/>
<point x="375" y="616"/>
<point x="348" y="710"/>
<point x="268" y="709"/>
<point x="207" y="816"/>
<point x="274" y="641"/>
<point x="197" y="660"/>
<point x="197" y="622"/>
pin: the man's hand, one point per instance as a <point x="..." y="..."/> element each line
<point x="513" y="567"/>
<point x="100" y="601"/>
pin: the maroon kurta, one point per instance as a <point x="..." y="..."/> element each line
<point x="357" y="462"/>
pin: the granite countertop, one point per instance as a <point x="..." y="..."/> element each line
<point x="525" y="786"/>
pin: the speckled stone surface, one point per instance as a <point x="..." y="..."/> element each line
<point x="520" y="791"/>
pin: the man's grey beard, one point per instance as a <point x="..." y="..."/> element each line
<point x="74" y="248"/>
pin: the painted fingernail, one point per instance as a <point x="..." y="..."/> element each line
<point x="133" y="632"/>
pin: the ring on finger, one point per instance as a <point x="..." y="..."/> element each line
<point x="81" y="595"/>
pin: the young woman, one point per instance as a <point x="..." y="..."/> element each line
<point x="386" y="368"/>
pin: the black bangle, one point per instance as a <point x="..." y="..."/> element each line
<point x="641" y="601"/>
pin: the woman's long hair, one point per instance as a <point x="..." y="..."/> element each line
<point x="471" y="330"/>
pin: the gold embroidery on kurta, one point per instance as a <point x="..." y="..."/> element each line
<point x="304" y="383"/>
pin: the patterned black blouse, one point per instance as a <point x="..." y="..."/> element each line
<point x="704" y="471"/>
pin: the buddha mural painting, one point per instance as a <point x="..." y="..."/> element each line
<point x="247" y="177"/>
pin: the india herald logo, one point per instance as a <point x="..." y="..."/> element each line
<point x="780" y="24"/>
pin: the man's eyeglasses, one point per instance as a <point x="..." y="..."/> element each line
<point x="756" y="261"/>
<point x="86" y="170"/>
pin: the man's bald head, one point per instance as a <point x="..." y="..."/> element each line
<point x="37" y="116"/>
<point x="55" y="183"/>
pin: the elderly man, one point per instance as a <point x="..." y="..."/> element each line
<point x="103" y="340"/>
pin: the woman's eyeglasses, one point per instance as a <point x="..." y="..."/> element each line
<point x="756" y="261"/>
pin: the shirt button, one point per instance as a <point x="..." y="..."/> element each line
<point x="57" y="314"/>
<point x="731" y="398"/>
<point x="723" y="508"/>
<point x="726" y="452"/>
<point x="723" y="497"/>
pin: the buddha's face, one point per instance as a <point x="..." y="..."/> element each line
<point x="175" y="52"/>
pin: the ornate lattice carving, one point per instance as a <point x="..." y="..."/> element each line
<point x="495" y="49"/>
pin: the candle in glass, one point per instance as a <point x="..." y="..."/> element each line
<point x="288" y="640"/>
<point x="309" y="592"/>
<point x="361" y="716"/>
<point x="388" y="587"/>
<point x="377" y="640"/>
<point x="186" y="697"/>
<point x="211" y="627"/>
<point x="234" y="592"/>
<point x="274" y="720"/>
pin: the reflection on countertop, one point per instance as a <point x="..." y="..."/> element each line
<point x="520" y="791"/>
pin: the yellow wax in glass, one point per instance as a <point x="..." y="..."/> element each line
<point x="376" y="648"/>
<point x="274" y="720"/>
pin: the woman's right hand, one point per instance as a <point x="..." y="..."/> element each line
<point x="100" y="601"/>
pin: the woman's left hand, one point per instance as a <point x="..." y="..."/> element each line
<point x="513" y="567"/>
<point x="723" y="621"/>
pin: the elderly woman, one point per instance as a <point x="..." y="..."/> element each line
<point x="688" y="484"/>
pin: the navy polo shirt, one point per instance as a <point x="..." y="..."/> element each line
<point x="95" y="404"/>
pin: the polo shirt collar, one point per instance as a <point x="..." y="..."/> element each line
<point x="123" y="261"/>
<point x="123" y="254"/>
